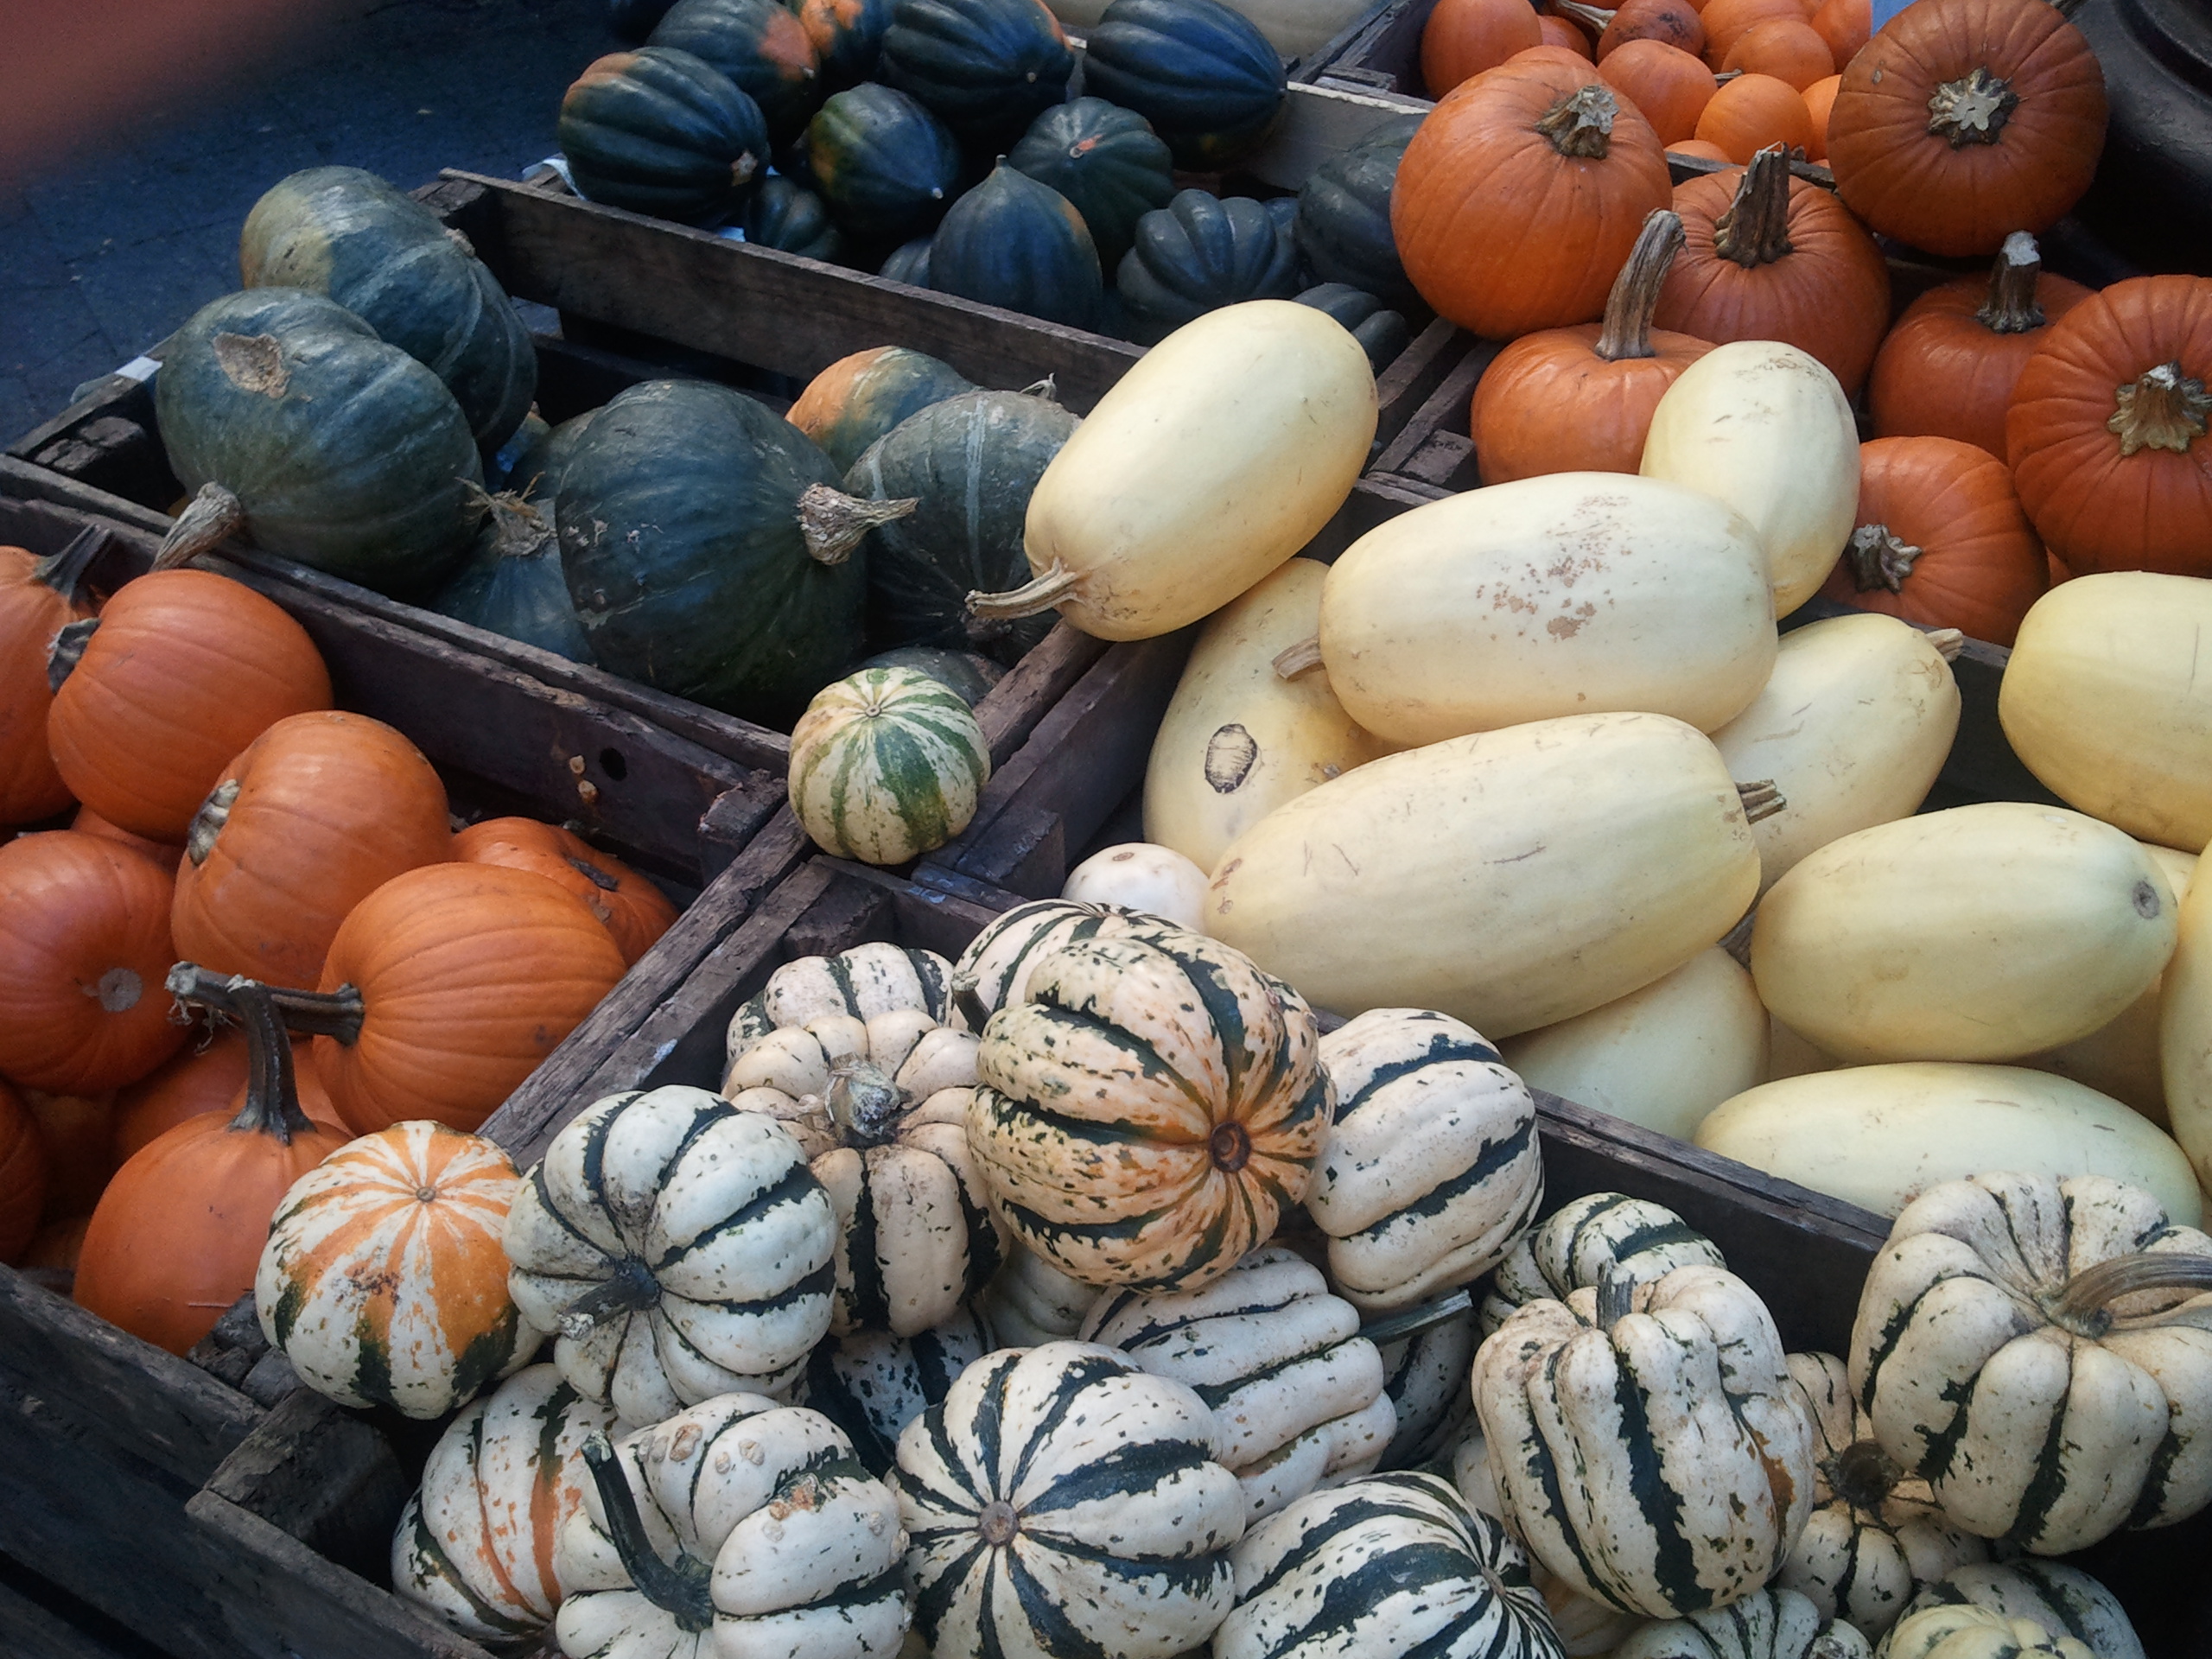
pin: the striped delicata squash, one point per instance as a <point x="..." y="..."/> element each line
<point x="1769" y="1623"/>
<point x="872" y="1384"/>
<point x="994" y="970"/>
<point x="1585" y="1239"/>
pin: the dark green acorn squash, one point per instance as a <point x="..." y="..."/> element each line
<point x="971" y="462"/>
<point x="857" y="399"/>
<point x="1107" y="161"/>
<point x="385" y="257"/>
<point x="847" y="36"/>
<point x="1381" y="331"/>
<point x="760" y="45"/>
<point x="687" y="551"/>
<point x="511" y="583"/>
<point x="785" y="216"/>
<point x="1014" y="242"/>
<point x="985" y="68"/>
<point x="884" y="165"/>
<point x="633" y="20"/>
<point x="660" y="132"/>
<point x="1203" y="75"/>
<point x="1200" y="252"/>
<point x="967" y="676"/>
<point x="909" y="263"/>
<point x="344" y="452"/>
<point x="1344" y="216"/>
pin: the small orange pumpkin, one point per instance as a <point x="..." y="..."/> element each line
<point x="22" y="1176"/>
<point x="1784" y="48"/>
<point x="1670" y="87"/>
<point x="76" y="1132"/>
<point x="1753" y="112"/>
<point x="199" y="1080"/>
<point x="1845" y="25"/>
<point x="1674" y="22"/>
<point x="631" y="908"/>
<point x="1820" y="99"/>
<point x="38" y="598"/>
<point x="1727" y="21"/>
<point x="1701" y="149"/>
<point x="1941" y="541"/>
<point x="1557" y="31"/>
<point x="1462" y="38"/>
<point x="166" y="853"/>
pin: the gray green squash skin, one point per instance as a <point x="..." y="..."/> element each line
<point x="520" y="595"/>
<point x="1199" y="253"/>
<point x="659" y="131"/>
<point x="1015" y="243"/>
<point x="385" y="257"/>
<point x="352" y="457"/>
<point x="1106" y="161"/>
<point x="964" y="672"/>
<point x="678" y="518"/>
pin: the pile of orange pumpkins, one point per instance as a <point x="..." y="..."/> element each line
<point x="220" y="812"/>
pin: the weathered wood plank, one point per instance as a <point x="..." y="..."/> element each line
<point x="322" y="1475"/>
<point x="39" y="1620"/>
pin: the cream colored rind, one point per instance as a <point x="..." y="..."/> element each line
<point x="2185" y="1031"/>
<point x="2120" y="1059"/>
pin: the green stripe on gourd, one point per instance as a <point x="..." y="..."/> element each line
<point x="1583" y="1238"/>
<point x="887" y="765"/>
<point x="860" y="983"/>
<point x="872" y="1383"/>
<point x="994" y="970"/>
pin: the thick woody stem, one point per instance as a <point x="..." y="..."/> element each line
<point x="1971" y="110"/>
<point x="2013" y="307"/>
<point x="1616" y="1296"/>
<point x="1949" y="643"/>
<point x="312" y="1013"/>
<point x="683" y="1589"/>
<point x="1581" y="123"/>
<point x="2161" y="409"/>
<point x="1755" y="231"/>
<point x="272" y="1096"/>
<point x="212" y="515"/>
<point x="1629" y="308"/>
<point x="1301" y="658"/>
<point x="1880" y="558"/>
<point x="835" y="523"/>
<point x="65" y="572"/>
<point x="1761" y="799"/>
<point x="1031" y="599"/>
<point x="1404" y="1322"/>
<point x="1863" y="1475"/>
<point x="2085" y="1305"/>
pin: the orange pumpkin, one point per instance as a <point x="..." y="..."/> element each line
<point x="1784" y="48"/>
<point x="1669" y="87"/>
<point x="38" y="598"/>
<point x="168" y="854"/>
<point x="1766" y="256"/>
<point x="1819" y="99"/>
<point x="1727" y="21"/>
<point x="631" y="908"/>
<point x="203" y="1079"/>
<point x="320" y="811"/>
<point x="1941" y="540"/>
<point x="1673" y="22"/>
<point x="55" y="1246"/>
<point x="1948" y="369"/>
<point x="1557" y="31"/>
<point x="1580" y="399"/>
<point x="1518" y="199"/>
<point x="2106" y="431"/>
<point x="1462" y="38"/>
<point x="446" y="987"/>
<point x="22" y="1176"/>
<point x="1964" y="120"/>
<point x="1753" y="112"/>
<point x="182" y="670"/>
<point x="84" y="944"/>
<point x="1845" y="25"/>
<point x="1699" y="148"/>
<point x="1548" y="53"/>
<point x="76" y="1133"/>
<point x="174" y="1239"/>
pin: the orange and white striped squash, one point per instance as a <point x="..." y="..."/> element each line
<point x="384" y="1280"/>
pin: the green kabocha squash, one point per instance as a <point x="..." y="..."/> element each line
<point x="787" y="217"/>
<point x="536" y="469"/>
<point x="847" y="36"/>
<point x="761" y="45"/>
<point x="983" y="68"/>
<point x="909" y="263"/>
<point x="970" y="463"/>
<point x="1344" y="216"/>
<point x="1382" y="333"/>
<point x="1203" y="75"/>
<point x="385" y="257"/>
<point x="858" y="398"/>
<point x="528" y="439"/>
<point x="1199" y="253"/>
<point x="964" y="672"/>
<point x="1105" y="160"/>
<point x="660" y="132"/>
<point x="884" y="165"/>
<point x="511" y="583"/>
<point x="887" y="765"/>
<point x="1015" y="243"/>
<point x="340" y="451"/>
<point x="702" y="542"/>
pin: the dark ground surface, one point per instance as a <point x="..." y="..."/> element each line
<point x="109" y="250"/>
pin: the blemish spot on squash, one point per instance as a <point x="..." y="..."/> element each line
<point x="1231" y="752"/>
<point x="253" y="362"/>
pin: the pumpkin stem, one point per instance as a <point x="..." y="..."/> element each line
<point x="1863" y="1475"/>
<point x="630" y="1288"/>
<point x="207" y="520"/>
<point x="1412" y="1322"/>
<point x="1616" y="1297"/>
<point x="2084" y="1306"/>
<point x="968" y="1005"/>
<point x="1048" y="389"/>
<point x="273" y="1095"/>
<point x="2013" y="307"/>
<point x="2161" y="409"/>
<point x="1949" y="643"/>
<point x="207" y="822"/>
<point x="68" y="649"/>
<point x="1971" y="110"/>
<point x="1301" y="658"/>
<point x="1755" y="231"/>
<point x="681" y="1589"/>
<point x="311" y="1014"/>
<point x="835" y="523"/>
<point x="518" y="529"/>
<point x="864" y="1101"/>
<point x="1581" y="123"/>
<point x="1761" y="799"/>
<point x="1028" y="599"/>
<point x="1629" y="308"/>
<point x="65" y="572"/>
<point x="1880" y="558"/>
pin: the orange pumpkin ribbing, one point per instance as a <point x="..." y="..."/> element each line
<point x="38" y="598"/>
<point x="631" y="908"/>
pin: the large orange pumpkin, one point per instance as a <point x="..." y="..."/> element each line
<point x="1948" y="369"/>
<point x="1964" y="120"/>
<point x="1518" y="199"/>
<point x="631" y="908"/>
<point x="1753" y="111"/>
<point x="84" y="944"/>
<point x="174" y="1239"/>
<point x="1580" y="399"/>
<point x="198" y="1080"/>
<point x="38" y="598"/>
<point x="182" y="670"/>
<point x="1462" y="38"/>
<point x="1669" y="87"/>
<point x="22" y="1176"/>
<point x="2105" y="435"/>
<point x="1766" y="256"/>
<point x="320" y="811"/>
<point x="1941" y="540"/>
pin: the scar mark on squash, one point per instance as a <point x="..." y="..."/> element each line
<point x="1231" y="752"/>
<point x="253" y="362"/>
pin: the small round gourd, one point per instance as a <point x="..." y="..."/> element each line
<point x="1431" y="1169"/>
<point x="1344" y="216"/>
<point x="1585" y="1240"/>
<point x="791" y="220"/>
<point x="1198" y="253"/>
<point x="1107" y="161"/>
<point x="887" y="765"/>
<point x="857" y="399"/>
<point x="861" y="983"/>
<point x="884" y="165"/>
<point x="510" y="582"/>
<point x="689" y="1297"/>
<point x="986" y="68"/>
<point x="1032" y="1302"/>
<point x="764" y="48"/>
<point x="2064" y="1600"/>
<point x="872" y="1383"/>
<point x="660" y="132"/>
<point x="1775" y="1622"/>
<point x="993" y="971"/>
<point x="1202" y="73"/>
<point x="1015" y="243"/>
<point x="1137" y="876"/>
<point x="1969" y="1631"/>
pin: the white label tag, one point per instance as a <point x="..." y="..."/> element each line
<point x="141" y="369"/>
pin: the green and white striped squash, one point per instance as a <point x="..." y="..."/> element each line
<point x="1876" y="1535"/>
<point x="738" y="1527"/>
<point x="2032" y="1348"/>
<point x="994" y="970"/>
<point x="1147" y="1116"/>
<point x="887" y="765"/>
<point x="1063" y="1503"/>
<point x="1587" y="1629"/>
<point x="475" y="1543"/>
<point x="1031" y="1302"/>
<point x="1973" y="1632"/>
<point x="1583" y="1240"/>
<point x="861" y="983"/>
<point x="1425" y="1376"/>
<point x="1389" y="1564"/>
<point x="680" y="1248"/>
<point x="1431" y="1169"/>
<point x="1297" y="1390"/>
<point x="2064" y="1600"/>
<point x="872" y="1384"/>
<point x="1646" y="1439"/>
<point x="1769" y="1624"/>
